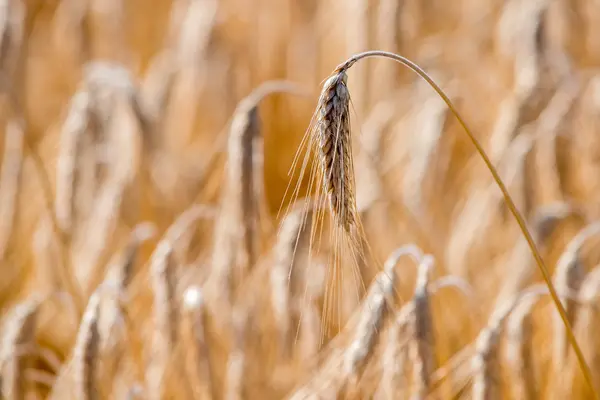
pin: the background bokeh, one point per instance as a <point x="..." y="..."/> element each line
<point x="136" y="181"/>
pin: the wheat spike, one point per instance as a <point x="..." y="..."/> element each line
<point x="17" y="338"/>
<point x="422" y="346"/>
<point x="237" y="362"/>
<point x="111" y="321"/>
<point x="198" y="367"/>
<point x="334" y="149"/>
<point x="120" y="270"/>
<point x="166" y="317"/>
<point x="568" y="277"/>
<point x="519" y="332"/>
<point x="163" y="282"/>
<point x="586" y="326"/>
<point x="114" y="107"/>
<point x="396" y="354"/>
<point x="74" y="128"/>
<point x="371" y="319"/>
<point x="239" y="221"/>
<point x="12" y="33"/>
<point x="486" y="363"/>
<point x="86" y="351"/>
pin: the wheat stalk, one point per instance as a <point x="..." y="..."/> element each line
<point x="334" y="129"/>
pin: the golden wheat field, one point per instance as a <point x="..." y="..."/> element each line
<point x="258" y="199"/>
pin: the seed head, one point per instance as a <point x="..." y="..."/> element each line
<point x="334" y="148"/>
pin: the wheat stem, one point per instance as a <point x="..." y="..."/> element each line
<point x="342" y="68"/>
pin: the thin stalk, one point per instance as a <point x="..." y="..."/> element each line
<point x="507" y="198"/>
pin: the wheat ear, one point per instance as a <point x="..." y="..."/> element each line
<point x="568" y="277"/>
<point x="19" y="333"/>
<point x="519" y="332"/>
<point x="237" y="361"/>
<point x="165" y="316"/>
<point x="371" y="319"/>
<point x="198" y="368"/>
<point x="422" y="347"/>
<point x="396" y="354"/>
<point x="86" y="351"/>
<point x="333" y="132"/>
<point x="238" y="222"/>
<point x="586" y="325"/>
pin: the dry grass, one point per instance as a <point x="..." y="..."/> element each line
<point x="176" y="220"/>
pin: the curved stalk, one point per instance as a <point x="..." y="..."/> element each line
<point x="507" y="198"/>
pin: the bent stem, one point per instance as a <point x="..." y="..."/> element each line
<point x="507" y="198"/>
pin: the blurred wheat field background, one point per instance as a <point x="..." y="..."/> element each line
<point x="152" y="245"/>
